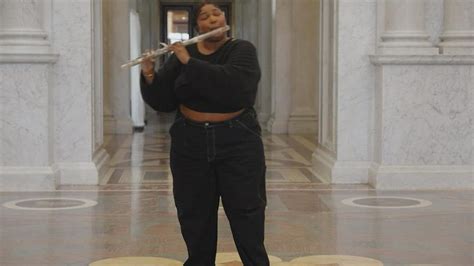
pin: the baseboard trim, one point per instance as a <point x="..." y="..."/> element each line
<point x="339" y="172"/>
<point x="27" y="178"/>
<point x="84" y="173"/>
<point x="323" y="163"/>
<point x="101" y="160"/>
<point x="263" y="118"/>
<point x="277" y="126"/>
<point x="421" y="177"/>
<point x="303" y="124"/>
<point x="351" y="172"/>
<point x="115" y="126"/>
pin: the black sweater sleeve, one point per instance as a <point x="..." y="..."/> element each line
<point x="234" y="83"/>
<point x="160" y="94"/>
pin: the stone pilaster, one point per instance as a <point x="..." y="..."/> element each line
<point x="458" y="35"/>
<point x="24" y="29"/>
<point x="403" y="30"/>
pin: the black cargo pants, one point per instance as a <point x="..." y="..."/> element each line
<point x="212" y="160"/>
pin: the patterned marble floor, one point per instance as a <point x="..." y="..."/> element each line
<point x="144" y="159"/>
<point x="130" y="218"/>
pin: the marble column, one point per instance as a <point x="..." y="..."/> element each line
<point x="282" y="40"/>
<point x="253" y="22"/>
<point x="458" y="35"/>
<point x="246" y="26"/>
<point x="346" y="91"/>
<point x="100" y="155"/>
<point x="325" y="153"/>
<point x="72" y="122"/>
<point x="48" y="134"/>
<point x="109" y="119"/>
<point x="401" y="23"/>
<point x="264" y="45"/>
<point x="116" y="80"/>
<point x="303" y="116"/>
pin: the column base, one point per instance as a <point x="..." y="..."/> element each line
<point x="76" y="173"/>
<point x="331" y="171"/>
<point x="48" y="178"/>
<point x="115" y="126"/>
<point x="303" y="124"/>
<point x="160" y="122"/>
<point x="263" y="118"/>
<point x="277" y="126"/>
<point x="82" y="173"/>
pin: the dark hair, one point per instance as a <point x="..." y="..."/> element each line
<point x="197" y="10"/>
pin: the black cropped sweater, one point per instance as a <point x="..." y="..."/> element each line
<point x="222" y="82"/>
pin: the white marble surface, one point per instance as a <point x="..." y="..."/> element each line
<point x="356" y="78"/>
<point x="21" y="15"/>
<point x="471" y="111"/>
<point x="24" y="115"/>
<point x="72" y="81"/>
<point x="434" y="20"/>
<point x="426" y="116"/>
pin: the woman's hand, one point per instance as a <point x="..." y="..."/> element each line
<point x="148" y="63"/>
<point x="148" y="67"/>
<point x="180" y="52"/>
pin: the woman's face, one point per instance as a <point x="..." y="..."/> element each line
<point x="211" y="18"/>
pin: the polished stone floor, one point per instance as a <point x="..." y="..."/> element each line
<point x="130" y="218"/>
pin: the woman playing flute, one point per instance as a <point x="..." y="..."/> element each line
<point x="216" y="146"/>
